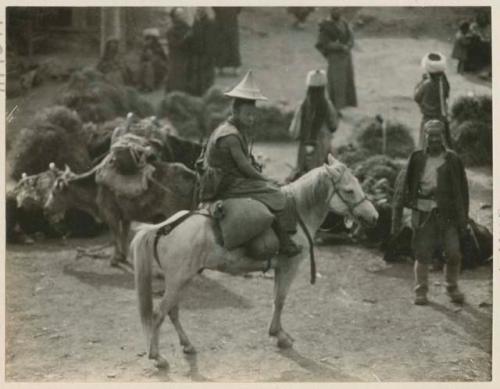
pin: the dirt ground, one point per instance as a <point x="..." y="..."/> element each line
<point x="73" y="318"/>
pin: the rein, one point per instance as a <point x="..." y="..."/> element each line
<point x="351" y="207"/>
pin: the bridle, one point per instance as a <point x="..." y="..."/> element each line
<point x="350" y="206"/>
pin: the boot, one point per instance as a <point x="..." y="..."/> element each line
<point x="421" y="281"/>
<point x="451" y="275"/>
<point x="287" y="246"/>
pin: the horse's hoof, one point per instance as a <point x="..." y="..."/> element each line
<point x="114" y="263"/>
<point x="161" y="363"/>
<point x="285" y="342"/>
<point x="273" y="332"/>
<point x="189" y="349"/>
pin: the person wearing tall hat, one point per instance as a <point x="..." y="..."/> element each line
<point x="313" y="124"/>
<point x="229" y="168"/>
<point x="436" y="189"/>
<point x="153" y="66"/>
<point x="335" y="42"/>
<point x="432" y="93"/>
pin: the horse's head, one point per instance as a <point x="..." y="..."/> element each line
<point x="32" y="191"/>
<point x="57" y="201"/>
<point x="348" y="198"/>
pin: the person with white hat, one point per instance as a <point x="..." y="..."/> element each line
<point x="313" y="124"/>
<point x="153" y="67"/>
<point x="432" y="93"/>
<point x="436" y="189"/>
<point x="229" y="169"/>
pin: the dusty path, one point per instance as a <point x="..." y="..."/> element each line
<point x="76" y="319"/>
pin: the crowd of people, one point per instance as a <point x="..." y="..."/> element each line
<point x="435" y="182"/>
<point x="196" y="46"/>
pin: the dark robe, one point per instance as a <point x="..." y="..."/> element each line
<point x="231" y="181"/>
<point x="153" y="65"/>
<point x="340" y="70"/>
<point x="202" y="60"/>
<point x="227" y="49"/>
<point x="179" y="37"/>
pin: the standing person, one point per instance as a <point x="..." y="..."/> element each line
<point x="461" y="46"/>
<point x="202" y="61"/>
<point x="314" y="122"/>
<point x="432" y="93"/>
<point x="153" y="67"/>
<point x="436" y="190"/>
<point x="481" y="41"/>
<point x="335" y="42"/>
<point x="227" y="50"/>
<point x="179" y="37"/>
<point x="113" y="65"/>
<point x="230" y="170"/>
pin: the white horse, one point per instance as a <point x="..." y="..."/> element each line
<point x="191" y="247"/>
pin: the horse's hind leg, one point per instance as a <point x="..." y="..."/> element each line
<point x="169" y="301"/>
<point x="188" y="348"/>
<point x="284" y="276"/>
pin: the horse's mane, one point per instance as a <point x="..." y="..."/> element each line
<point x="310" y="187"/>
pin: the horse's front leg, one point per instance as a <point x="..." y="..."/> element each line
<point x="284" y="275"/>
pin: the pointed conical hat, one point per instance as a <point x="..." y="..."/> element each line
<point x="247" y="89"/>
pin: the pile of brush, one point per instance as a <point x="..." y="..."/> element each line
<point x="471" y="129"/>
<point x="55" y="135"/>
<point x="98" y="100"/>
<point x="199" y="116"/>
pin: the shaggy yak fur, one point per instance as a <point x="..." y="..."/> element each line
<point x="25" y="214"/>
<point x="172" y="191"/>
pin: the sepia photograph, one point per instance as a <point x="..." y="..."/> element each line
<point x="248" y="194"/>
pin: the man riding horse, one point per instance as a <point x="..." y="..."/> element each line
<point x="230" y="170"/>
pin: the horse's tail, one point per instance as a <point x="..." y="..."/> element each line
<point x="142" y="250"/>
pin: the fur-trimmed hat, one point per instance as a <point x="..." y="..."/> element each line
<point x="247" y="89"/>
<point x="434" y="63"/>
<point x="316" y="78"/>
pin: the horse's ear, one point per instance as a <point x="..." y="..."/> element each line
<point x="331" y="160"/>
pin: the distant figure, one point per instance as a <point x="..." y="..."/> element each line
<point x="227" y="54"/>
<point x="300" y="14"/>
<point x="153" y="67"/>
<point x="335" y="42"/>
<point x="113" y="65"/>
<point x="179" y="37"/>
<point x="202" y="59"/>
<point x="461" y="46"/>
<point x="480" y="50"/>
<point x="313" y="124"/>
<point x="432" y="93"/>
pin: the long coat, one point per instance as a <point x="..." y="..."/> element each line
<point x="179" y="37"/>
<point x="202" y="59"/>
<point x="319" y="141"/>
<point x="452" y="192"/>
<point x="341" y="86"/>
<point x="227" y="50"/>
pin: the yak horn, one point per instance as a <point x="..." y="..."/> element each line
<point x="52" y="166"/>
<point x="24" y="175"/>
